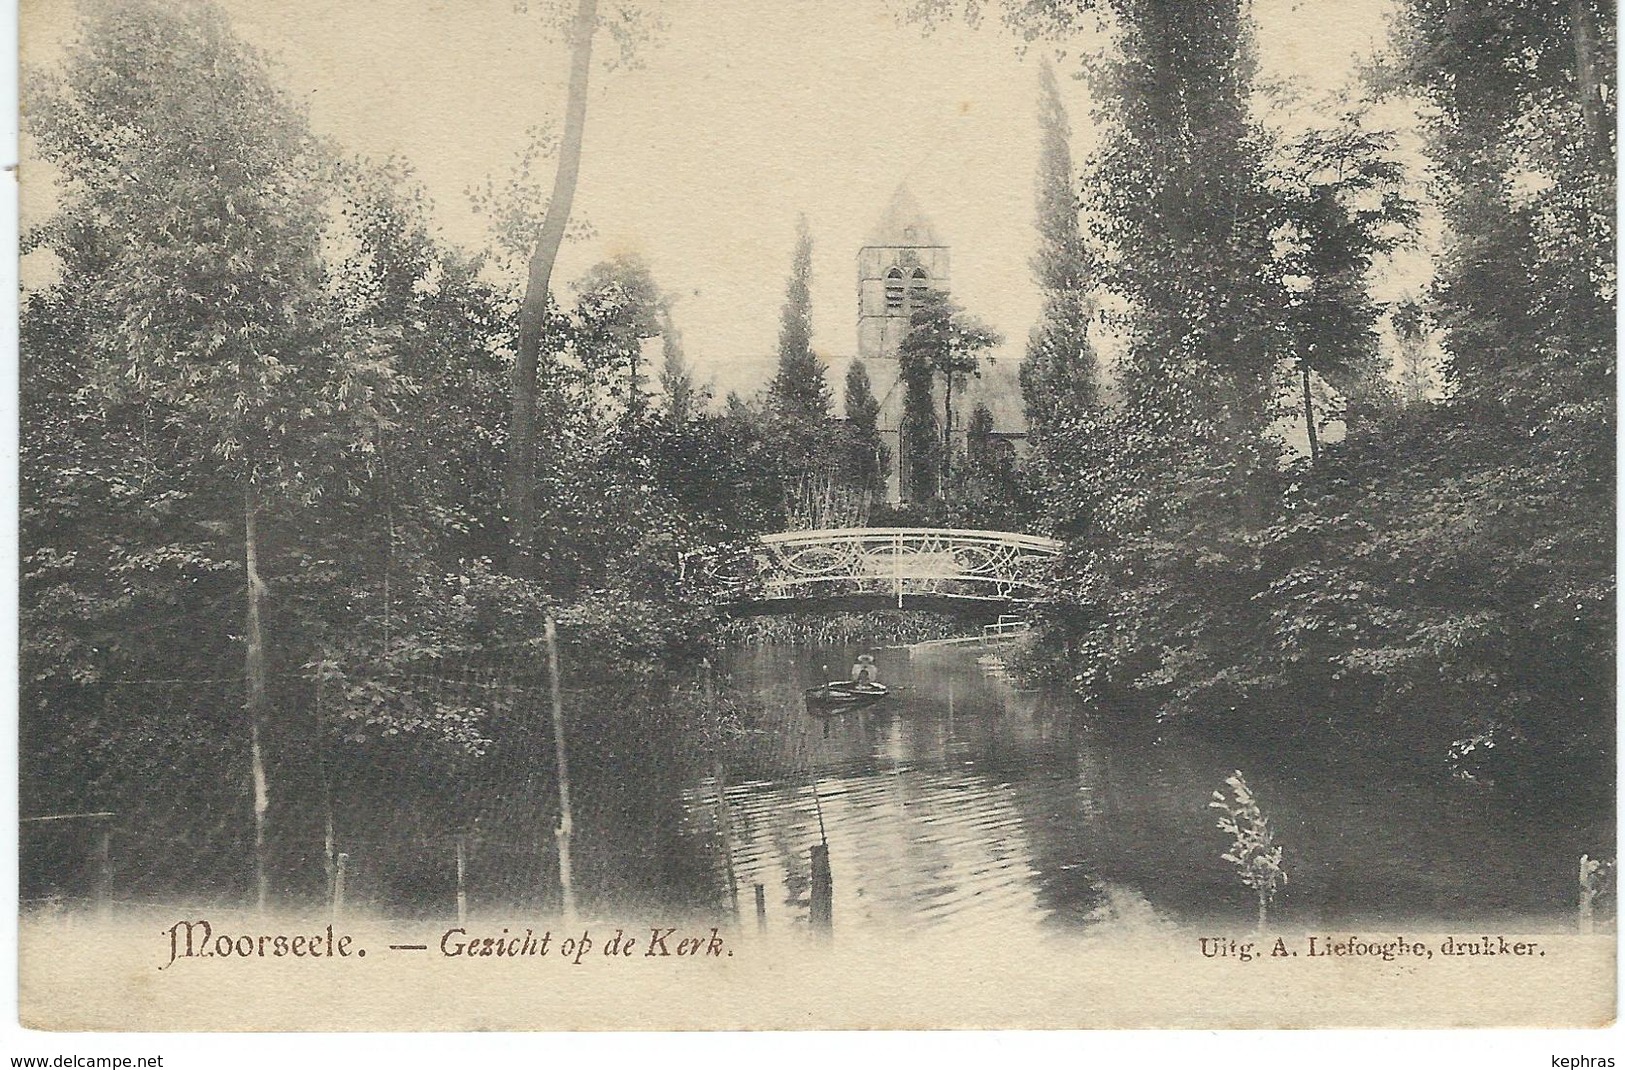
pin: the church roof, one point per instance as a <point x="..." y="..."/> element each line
<point x="903" y="223"/>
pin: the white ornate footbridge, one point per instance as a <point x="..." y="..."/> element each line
<point x="895" y="566"/>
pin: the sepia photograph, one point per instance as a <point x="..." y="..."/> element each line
<point x="716" y="515"/>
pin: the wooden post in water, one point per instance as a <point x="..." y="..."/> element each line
<point x="897" y="563"/>
<point x="567" y="895"/>
<point x="1588" y="893"/>
<point x="338" y="884"/>
<point x="822" y="915"/>
<point x="761" y="909"/>
<point x="724" y="818"/>
<point x="462" y="885"/>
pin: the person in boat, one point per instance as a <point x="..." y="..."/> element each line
<point x="865" y="672"/>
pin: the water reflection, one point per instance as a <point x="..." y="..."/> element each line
<point x="959" y="802"/>
<point x="941" y="804"/>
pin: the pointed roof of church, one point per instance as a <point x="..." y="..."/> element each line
<point x="903" y="223"/>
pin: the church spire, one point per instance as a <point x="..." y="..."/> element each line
<point x="903" y="224"/>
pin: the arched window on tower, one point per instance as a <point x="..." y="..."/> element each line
<point x="894" y="290"/>
<point x="918" y="284"/>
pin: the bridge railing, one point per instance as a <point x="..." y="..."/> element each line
<point x="832" y="563"/>
<point x="913" y="536"/>
<point x="1007" y="627"/>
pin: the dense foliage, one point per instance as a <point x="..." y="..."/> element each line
<point x="266" y="499"/>
<point x="941" y="351"/>
<point x="1438" y="584"/>
<point x="264" y="420"/>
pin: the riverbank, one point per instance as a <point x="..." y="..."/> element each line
<point x="887" y="628"/>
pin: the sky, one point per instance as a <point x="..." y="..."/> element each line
<point x="742" y="115"/>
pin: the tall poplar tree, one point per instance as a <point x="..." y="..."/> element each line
<point x="684" y="397"/>
<point x="871" y="458"/>
<point x="1180" y="202"/>
<point x="1058" y="373"/>
<point x="799" y="389"/>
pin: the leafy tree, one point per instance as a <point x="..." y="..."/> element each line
<point x="943" y="343"/>
<point x="450" y="331"/>
<point x="1059" y="374"/>
<point x="1168" y="486"/>
<point x="989" y="492"/>
<point x="394" y="582"/>
<point x="1179" y="202"/>
<point x="810" y="452"/>
<point x="258" y="379"/>
<point x="1340" y="205"/>
<point x="1524" y="135"/>
<point x="619" y="308"/>
<point x="1502" y="495"/>
<point x="920" y="436"/>
<point x="1412" y="329"/>
<point x="1440" y="585"/>
<point x="1410" y="586"/>
<point x="189" y="234"/>
<point x="979" y="448"/>
<point x="1253" y="850"/>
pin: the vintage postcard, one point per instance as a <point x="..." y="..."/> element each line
<point x="870" y="514"/>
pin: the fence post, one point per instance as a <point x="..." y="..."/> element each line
<point x="562" y="833"/>
<point x="761" y="909"/>
<point x="462" y="886"/>
<point x="329" y="836"/>
<point x="822" y="915"/>
<point x="338" y="884"/>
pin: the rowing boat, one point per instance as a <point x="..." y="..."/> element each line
<point x="839" y="693"/>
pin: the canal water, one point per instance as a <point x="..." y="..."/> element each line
<point x="961" y="803"/>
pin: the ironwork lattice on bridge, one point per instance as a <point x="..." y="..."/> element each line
<point x="894" y="562"/>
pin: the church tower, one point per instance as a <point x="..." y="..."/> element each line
<point x="902" y="260"/>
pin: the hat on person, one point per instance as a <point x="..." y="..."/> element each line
<point x="865" y="658"/>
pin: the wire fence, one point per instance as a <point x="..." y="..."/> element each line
<point x="432" y="793"/>
<point x="425" y="792"/>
